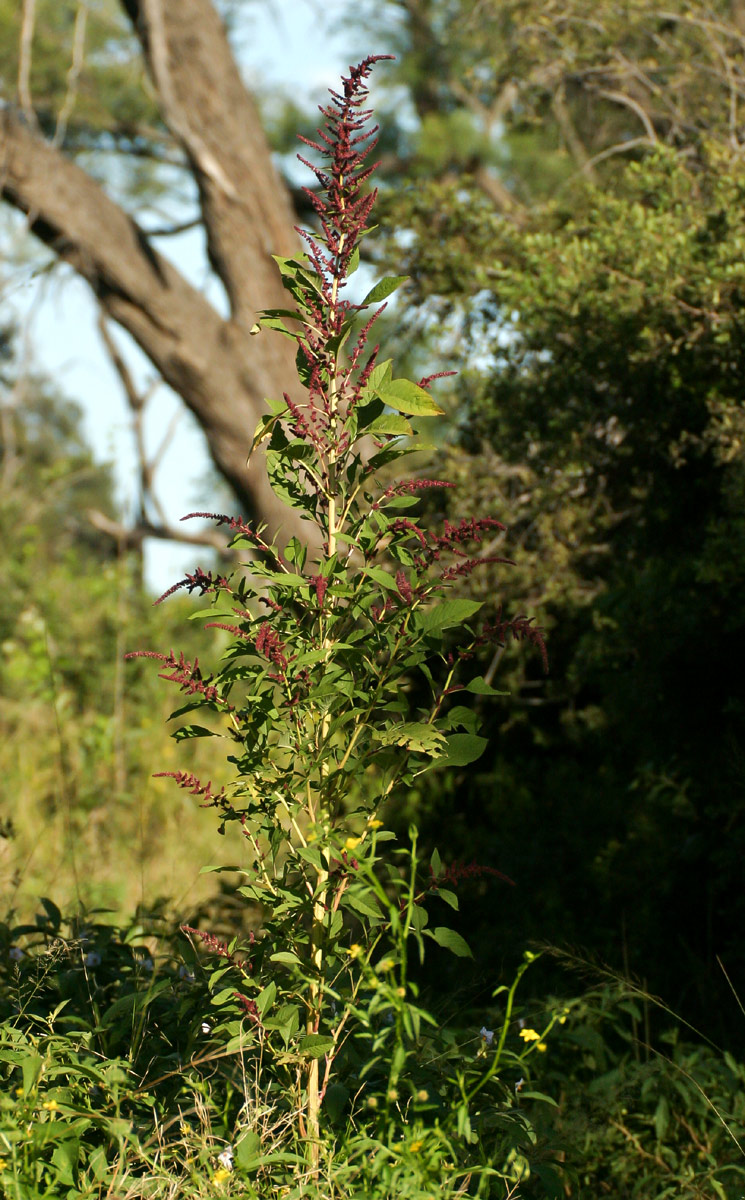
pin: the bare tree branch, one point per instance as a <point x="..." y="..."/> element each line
<point x="132" y="538"/>
<point x="246" y="210"/>
<point x="73" y="75"/>
<point x="28" y="17"/>
<point x="222" y="375"/>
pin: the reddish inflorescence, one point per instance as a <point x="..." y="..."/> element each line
<point x="210" y="941"/>
<point x="249" y="1007"/>
<point x="451" y="876"/>
<point x="269" y="644"/>
<point x="519" y="628"/>
<point x="343" y="207"/>
<point x="186" y="674"/>
<point x="205" y="581"/>
<point x="185" y="779"/>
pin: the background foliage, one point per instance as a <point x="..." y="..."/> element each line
<point x="580" y="260"/>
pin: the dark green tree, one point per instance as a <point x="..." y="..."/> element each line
<point x="596" y="313"/>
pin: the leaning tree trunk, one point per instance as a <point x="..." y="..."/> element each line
<point x="222" y="374"/>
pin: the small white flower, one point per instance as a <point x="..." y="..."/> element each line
<point x="15" y="954"/>
<point x="206" y="1027"/>
<point x="487" y="1035"/>
<point x="519" y="1086"/>
<point x="185" y="973"/>
<point x="225" y="1159"/>
<point x="93" y="959"/>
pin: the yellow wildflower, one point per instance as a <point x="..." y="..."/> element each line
<point x="541" y="1046"/>
<point x="386" y="964"/>
<point x="355" y="950"/>
<point x="415" y="1147"/>
<point x="50" y="1105"/>
<point x="401" y="992"/>
<point x="352" y="842"/>
<point x="3" y="1165"/>
<point x="374" y="823"/>
<point x="530" y="1035"/>
<point x="220" y="1175"/>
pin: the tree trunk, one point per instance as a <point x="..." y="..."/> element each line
<point x="222" y="374"/>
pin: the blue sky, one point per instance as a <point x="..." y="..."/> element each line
<point x="288" y="43"/>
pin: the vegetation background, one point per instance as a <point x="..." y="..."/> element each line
<point x="564" y="186"/>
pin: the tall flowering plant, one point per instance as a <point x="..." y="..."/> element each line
<point x="343" y="680"/>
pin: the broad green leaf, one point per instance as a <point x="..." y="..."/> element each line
<point x="31" y="1066"/>
<point x="315" y="1045"/>
<point x="365" y="904"/>
<point x="192" y="731"/>
<point x="539" y="1096"/>
<point x="390" y="423"/>
<point x="463" y="748"/>
<point x="287" y="957"/>
<point x="447" y="614"/>
<point x="449" y="897"/>
<point x="384" y="578"/>
<point x="417" y="736"/>
<point x="246" y="1149"/>
<point x="266" y="998"/>
<point x="408" y="397"/>
<point x="275" y="323"/>
<point x="479" y="687"/>
<point x="223" y="996"/>
<point x="452" y="941"/>
<point x="461" y="716"/>
<point x="335" y="1100"/>
<point x="419" y="917"/>
<point x="385" y="287"/>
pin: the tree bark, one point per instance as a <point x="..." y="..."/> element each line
<point x="222" y="374"/>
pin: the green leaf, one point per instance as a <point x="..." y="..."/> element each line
<point x="266" y="998"/>
<point x="192" y="731"/>
<point x="417" y="736"/>
<point x="315" y="1045"/>
<point x="31" y="1066"/>
<point x="335" y="1100"/>
<point x="384" y="578"/>
<point x="435" y="863"/>
<point x="390" y="423"/>
<point x="661" y="1118"/>
<point x="447" y="614"/>
<point x="246" y="1149"/>
<point x="451" y="941"/>
<point x="461" y="716"/>
<point x="223" y="996"/>
<point x="287" y="957"/>
<point x="380" y="374"/>
<point x="479" y="687"/>
<point x="367" y="905"/>
<point x="463" y="748"/>
<point x="408" y="397"/>
<point x="419" y="917"/>
<point x="539" y="1096"/>
<point x="385" y="287"/>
